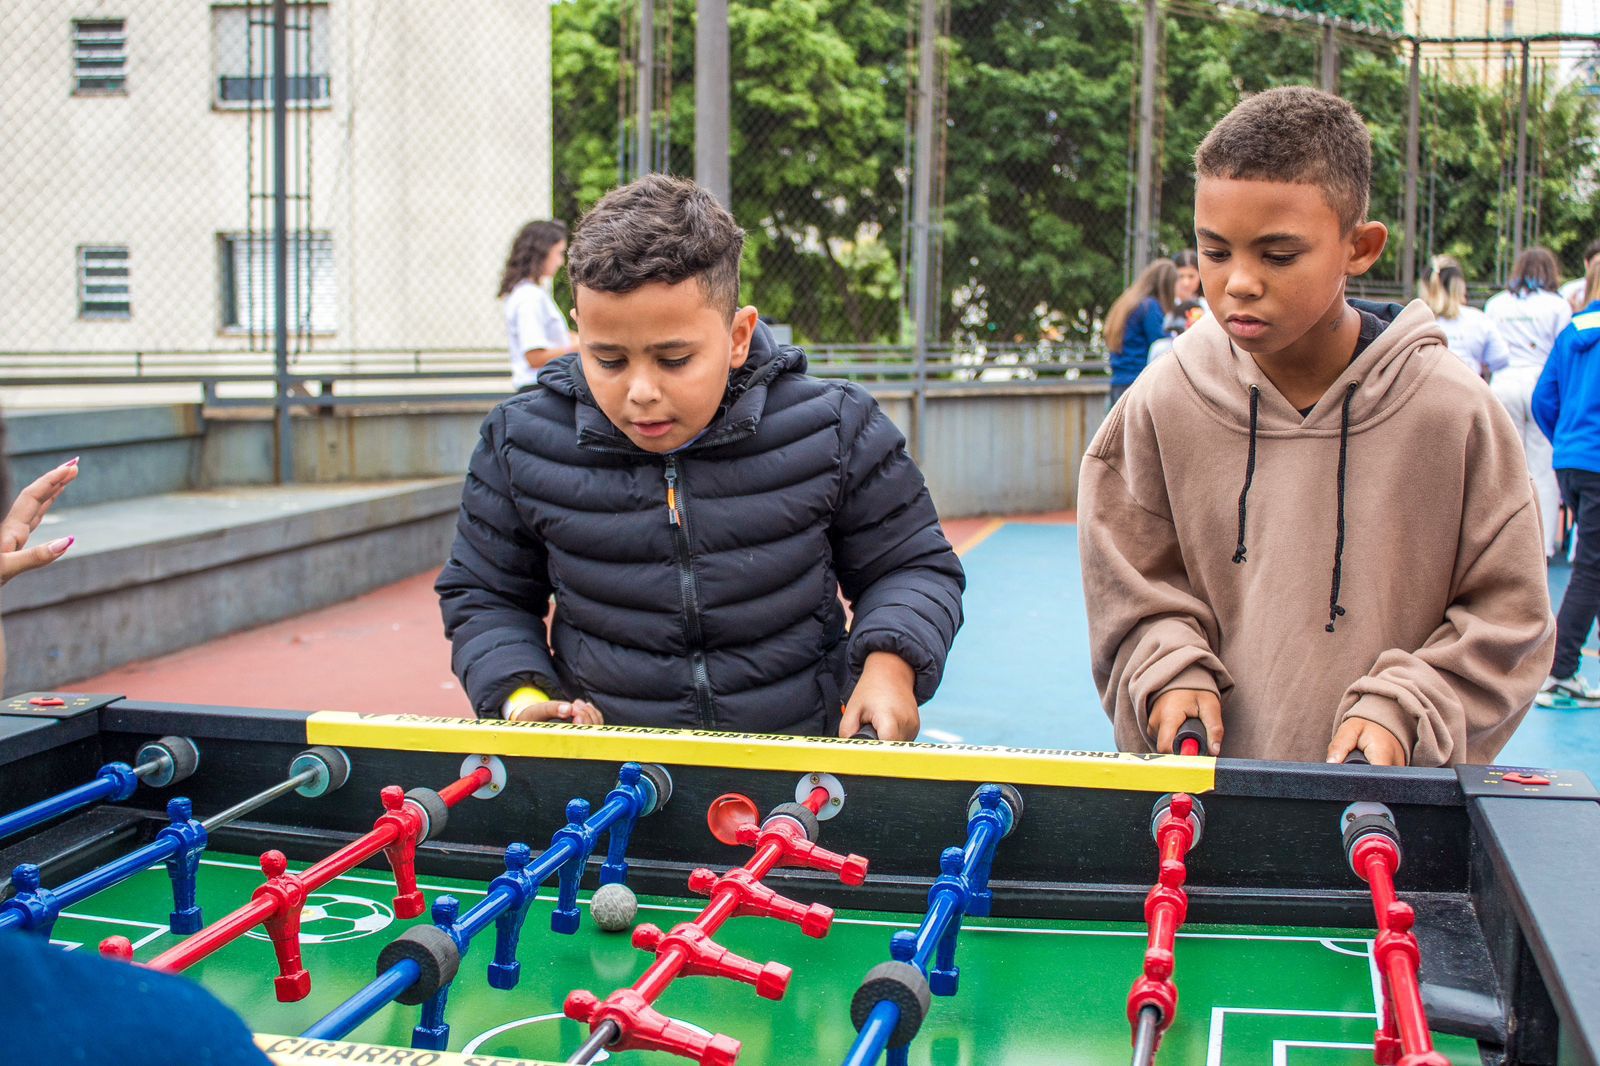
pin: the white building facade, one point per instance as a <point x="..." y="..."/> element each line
<point x="136" y="171"/>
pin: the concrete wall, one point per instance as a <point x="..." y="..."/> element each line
<point x="126" y="452"/>
<point x="1004" y="451"/>
<point x="166" y="573"/>
<point x="989" y="450"/>
<point x="433" y="147"/>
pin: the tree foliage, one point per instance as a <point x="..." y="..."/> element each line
<point x="1040" y="128"/>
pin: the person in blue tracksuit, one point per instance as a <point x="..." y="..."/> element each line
<point x="1566" y="404"/>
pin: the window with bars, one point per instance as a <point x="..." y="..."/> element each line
<point x="248" y="304"/>
<point x="103" y="282"/>
<point x="99" y="56"/>
<point x="242" y="44"/>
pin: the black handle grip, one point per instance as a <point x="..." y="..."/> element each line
<point x="866" y="732"/>
<point x="1357" y="758"/>
<point x="1191" y="729"/>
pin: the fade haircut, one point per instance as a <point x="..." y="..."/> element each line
<point x="1299" y="135"/>
<point x="658" y="228"/>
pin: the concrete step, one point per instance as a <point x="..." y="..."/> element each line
<point x="163" y="572"/>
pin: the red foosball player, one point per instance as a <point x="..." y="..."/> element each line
<point x="1176" y="823"/>
<point x="1372" y="846"/>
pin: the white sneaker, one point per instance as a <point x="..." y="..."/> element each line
<point x="1566" y="693"/>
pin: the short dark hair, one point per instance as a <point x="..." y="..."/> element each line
<point x="1300" y="135"/>
<point x="1591" y="250"/>
<point x="658" y="228"/>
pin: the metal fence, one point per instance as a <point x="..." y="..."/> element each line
<point x="955" y="190"/>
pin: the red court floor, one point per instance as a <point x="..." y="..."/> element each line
<point x="382" y="652"/>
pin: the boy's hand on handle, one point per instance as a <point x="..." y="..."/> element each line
<point x="26" y="513"/>
<point x="1170" y="709"/>
<point x="578" y="712"/>
<point x="1381" y="747"/>
<point x="884" y="698"/>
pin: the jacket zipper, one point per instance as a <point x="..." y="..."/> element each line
<point x="678" y="517"/>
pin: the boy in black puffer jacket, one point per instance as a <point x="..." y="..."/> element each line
<point x="695" y="503"/>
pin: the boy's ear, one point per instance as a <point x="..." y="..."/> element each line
<point x="1367" y="242"/>
<point x="744" y="328"/>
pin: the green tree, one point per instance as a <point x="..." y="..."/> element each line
<point x="1036" y="170"/>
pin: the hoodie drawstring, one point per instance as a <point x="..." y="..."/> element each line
<point x="1335" y="612"/>
<point x="1249" y="470"/>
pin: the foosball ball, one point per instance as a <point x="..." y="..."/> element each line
<point x="418" y="890"/>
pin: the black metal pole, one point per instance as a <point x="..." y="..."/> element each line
<point x="711" y="164"/>
<point x="1518" y="219"/>
<point x="280" y="237"/>
<point x="923" y="297"/>
<point x="1408" y="251"/>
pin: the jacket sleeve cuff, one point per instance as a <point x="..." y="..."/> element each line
<point x="926" y="667"/>
<point x="1190" y="677"/>
<point x="1143" y="694"/>
<point x="493" y="704"/>
<point x="1381" y="710"/>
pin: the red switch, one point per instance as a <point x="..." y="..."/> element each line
<point x="47" y="701"/>
<point x="1517" y="777"/>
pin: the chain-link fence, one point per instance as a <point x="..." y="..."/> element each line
<point x="139" y="167"/>
<point x="139" y="173"/>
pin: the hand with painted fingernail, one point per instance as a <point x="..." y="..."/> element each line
<point x="31" y="505"/>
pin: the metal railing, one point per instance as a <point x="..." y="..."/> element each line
<point x="333" y="371"/>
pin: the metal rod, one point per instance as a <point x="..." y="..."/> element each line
<point x="1408" y="257"/>
<point x="1145" y="1036"/>
<point x="152" y="766"/>
<point x="711" y="95"/>
<point x="922" y="295"/>
<point x="645" y="107"/>
<point x="260" y="799"/>
<point x="1144" y="197"/>
<point x="602" y="1036"/>
<point x="1518" y="232"/>
<point x="1330" y="58"/>
<point x="343" y="1019"/>
<point x="280" y="238"/>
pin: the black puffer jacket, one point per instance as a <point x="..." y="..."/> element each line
<point x="728" y="617"/>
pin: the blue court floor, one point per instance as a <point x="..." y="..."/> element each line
<point x="1019" y="672"/>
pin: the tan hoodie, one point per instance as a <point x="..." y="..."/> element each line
<point x="1420" y="605"/>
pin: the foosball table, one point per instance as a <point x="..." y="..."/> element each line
<point x="425" y="890"/>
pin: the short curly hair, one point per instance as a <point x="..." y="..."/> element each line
<point x="658" y="228"/>
<point x="1299" y="135"/>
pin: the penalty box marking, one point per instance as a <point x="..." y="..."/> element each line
<point x="156" y="928"/>
<point x="1219" y="1018"/>
<point x="1280" y="1048"/>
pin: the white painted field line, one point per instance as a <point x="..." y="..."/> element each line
<point x="1219" y="1019"/>
<point x="157" y="929"/>
<point x="1280" y="1048"/>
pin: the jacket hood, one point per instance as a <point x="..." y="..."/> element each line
<point x="741" y="409"/>
<point x="1385" y="375"/>
<point x="1585" y="335"/>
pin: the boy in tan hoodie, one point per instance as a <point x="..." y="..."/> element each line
<point x="1312" y="526"/>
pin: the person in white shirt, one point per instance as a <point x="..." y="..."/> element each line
<point x="1573" y="291"/>
<point x="1530" y="315"/>
<point x="536" y="330"/>
<point x="1471" y="336"/>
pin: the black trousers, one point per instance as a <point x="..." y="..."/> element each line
<point x="1581" y="491"/>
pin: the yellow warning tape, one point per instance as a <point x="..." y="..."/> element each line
<point x="747" y="751"/>
<point x="302" y="1051"/>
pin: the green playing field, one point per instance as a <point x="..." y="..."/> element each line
<point x="1031" y="992"/>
